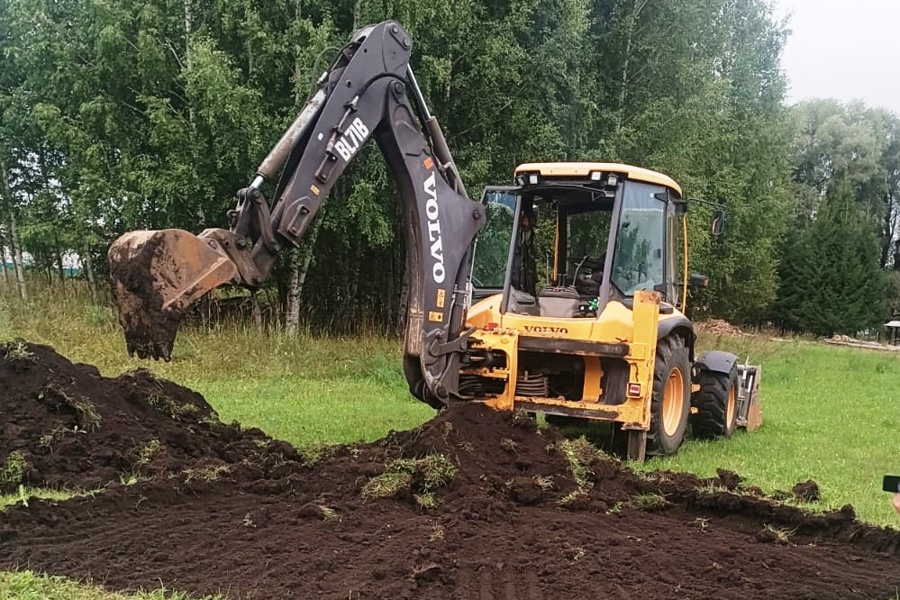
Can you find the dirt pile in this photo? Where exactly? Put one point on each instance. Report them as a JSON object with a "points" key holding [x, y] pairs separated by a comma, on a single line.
{"points": [[65, 426], [719, 327], [473, 504]]}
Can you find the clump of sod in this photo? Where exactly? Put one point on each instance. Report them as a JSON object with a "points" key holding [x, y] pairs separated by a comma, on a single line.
{"points": [[417, 477]]}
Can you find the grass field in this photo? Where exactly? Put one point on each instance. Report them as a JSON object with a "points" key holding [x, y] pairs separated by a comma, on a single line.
{"points": [[831, 414]]}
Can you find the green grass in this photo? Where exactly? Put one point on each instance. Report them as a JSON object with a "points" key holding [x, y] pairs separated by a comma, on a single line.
{"points": [[831, 414], [309, 412], [25, 585]]}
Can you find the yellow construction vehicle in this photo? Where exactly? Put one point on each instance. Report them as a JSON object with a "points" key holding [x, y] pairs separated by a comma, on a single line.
{"points": [[582, 315], [569, 304]]}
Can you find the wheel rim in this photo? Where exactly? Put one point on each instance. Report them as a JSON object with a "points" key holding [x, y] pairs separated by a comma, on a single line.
{"points": [[732, 406], [673, 402]]}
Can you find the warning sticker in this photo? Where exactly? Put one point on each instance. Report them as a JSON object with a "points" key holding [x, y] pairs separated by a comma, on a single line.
{"points": [[437, 317], [440, 298]]}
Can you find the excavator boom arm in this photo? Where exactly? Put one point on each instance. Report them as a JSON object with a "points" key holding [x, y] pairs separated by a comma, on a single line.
{"points": [[366, 94]]}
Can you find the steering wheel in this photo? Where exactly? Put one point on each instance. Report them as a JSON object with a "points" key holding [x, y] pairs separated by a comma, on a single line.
{"points": [[594, 264]]}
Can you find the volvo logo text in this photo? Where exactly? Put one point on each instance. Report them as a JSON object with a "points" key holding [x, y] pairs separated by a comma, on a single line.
{"points": [[434, 230], [542, 329]]}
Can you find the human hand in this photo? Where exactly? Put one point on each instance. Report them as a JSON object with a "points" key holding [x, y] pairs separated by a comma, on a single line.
{"points": [[896, 502]]}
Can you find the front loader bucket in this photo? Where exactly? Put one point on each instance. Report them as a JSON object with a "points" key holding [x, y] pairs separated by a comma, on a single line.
{"points": [[749, 412], [155, 276]]}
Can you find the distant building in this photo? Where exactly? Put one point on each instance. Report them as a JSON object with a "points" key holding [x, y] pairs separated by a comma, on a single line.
{"points": [[893, 326]]}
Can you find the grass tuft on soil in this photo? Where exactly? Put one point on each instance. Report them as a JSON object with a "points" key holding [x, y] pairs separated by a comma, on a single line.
{"points": [[14, 469], [417, 477], [86, 413], [580, 454], [776, 535], [649, 502], [16, 350], [26, 585]]}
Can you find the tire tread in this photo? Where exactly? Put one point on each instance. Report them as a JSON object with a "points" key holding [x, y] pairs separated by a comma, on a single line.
{"points": [[711, 401]]}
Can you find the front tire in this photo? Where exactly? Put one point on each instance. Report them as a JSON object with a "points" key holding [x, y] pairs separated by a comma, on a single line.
{"points": [[670, 404], [716, 403]]}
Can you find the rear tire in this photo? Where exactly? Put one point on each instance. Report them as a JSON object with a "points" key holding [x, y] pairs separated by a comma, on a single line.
{"points": [[670, 404], [716, 403]]}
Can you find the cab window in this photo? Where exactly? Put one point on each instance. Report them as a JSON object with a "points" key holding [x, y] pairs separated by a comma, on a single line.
{"points": [[639, 259]]}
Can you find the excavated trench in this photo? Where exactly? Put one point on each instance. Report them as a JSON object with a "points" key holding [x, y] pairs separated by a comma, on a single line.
{"points": [[473, 504]]}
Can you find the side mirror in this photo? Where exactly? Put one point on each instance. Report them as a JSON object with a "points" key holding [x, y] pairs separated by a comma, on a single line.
{"points": [[718, 222], [698, 281]]}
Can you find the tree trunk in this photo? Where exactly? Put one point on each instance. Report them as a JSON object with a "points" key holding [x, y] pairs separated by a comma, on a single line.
{"points": [[357, 13], [60, 258], [301, 258], [188, 59], [300, 262], [3, 258], [630, 27], [292, 306], [889, 228], [18, 265], [256, 309], [205, 307], [15, 247], [352, 316], [88, 264]]}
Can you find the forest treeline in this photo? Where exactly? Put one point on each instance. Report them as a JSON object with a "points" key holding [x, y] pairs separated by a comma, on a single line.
{"points": [[132, 114]]}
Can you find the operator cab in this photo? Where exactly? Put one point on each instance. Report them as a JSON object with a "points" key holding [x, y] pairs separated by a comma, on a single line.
{"points": [[570, 237]]}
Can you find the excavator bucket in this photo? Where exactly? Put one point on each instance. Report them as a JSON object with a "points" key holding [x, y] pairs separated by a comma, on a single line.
{"points": [[749, 412], [155, 276]]}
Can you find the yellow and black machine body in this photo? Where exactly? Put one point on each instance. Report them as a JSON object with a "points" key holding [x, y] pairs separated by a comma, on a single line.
{"points": [[562, 294], [579, 287]]}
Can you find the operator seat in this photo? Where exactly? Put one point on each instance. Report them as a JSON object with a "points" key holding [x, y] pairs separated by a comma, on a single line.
{"points": [[588, 286], [523, 303], [558, 301]]}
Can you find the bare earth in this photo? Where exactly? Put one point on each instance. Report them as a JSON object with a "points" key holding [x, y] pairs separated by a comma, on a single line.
{"points": [[217, 508]]}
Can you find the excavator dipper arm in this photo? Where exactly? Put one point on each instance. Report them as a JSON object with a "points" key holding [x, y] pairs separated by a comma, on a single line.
{"points": [[370, 92]]}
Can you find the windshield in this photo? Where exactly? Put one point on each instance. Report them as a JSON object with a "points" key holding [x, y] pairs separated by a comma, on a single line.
{"points": [[639, 259], [492, 249]]}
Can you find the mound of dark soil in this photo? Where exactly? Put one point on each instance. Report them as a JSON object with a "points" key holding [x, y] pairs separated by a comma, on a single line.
{"points": [[808, 491], [473, 504], [65, 426]]}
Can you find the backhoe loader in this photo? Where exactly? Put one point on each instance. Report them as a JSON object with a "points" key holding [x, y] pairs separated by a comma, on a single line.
{"points": [[570, 304]]}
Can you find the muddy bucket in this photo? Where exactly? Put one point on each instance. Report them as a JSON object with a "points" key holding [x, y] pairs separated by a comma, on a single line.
{"points": [[155, 276]]}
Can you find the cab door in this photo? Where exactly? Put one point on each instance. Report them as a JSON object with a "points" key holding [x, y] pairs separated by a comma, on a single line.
{"points": [[494, 246]]}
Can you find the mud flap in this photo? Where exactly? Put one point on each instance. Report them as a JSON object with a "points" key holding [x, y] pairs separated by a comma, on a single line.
{"points": [[637, 445]]}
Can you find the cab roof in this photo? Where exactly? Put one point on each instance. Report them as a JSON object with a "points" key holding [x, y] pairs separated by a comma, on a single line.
{"points": [[583, 169]]}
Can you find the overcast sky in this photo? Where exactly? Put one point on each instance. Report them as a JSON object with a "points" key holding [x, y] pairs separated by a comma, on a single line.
{"points": [[843, 49]]}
